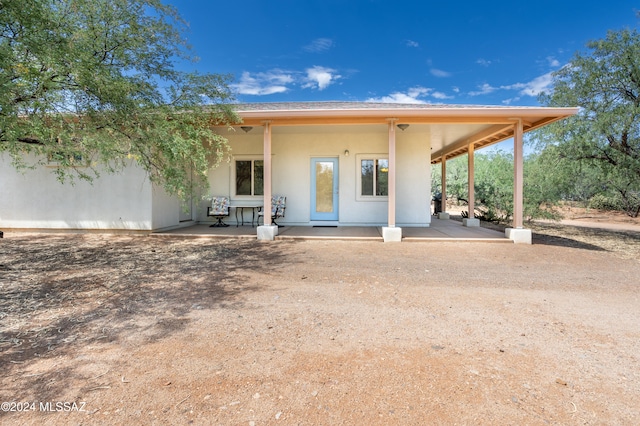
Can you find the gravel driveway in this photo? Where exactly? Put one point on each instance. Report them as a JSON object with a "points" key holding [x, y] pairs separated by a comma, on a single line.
{"points": [[139, 330]]}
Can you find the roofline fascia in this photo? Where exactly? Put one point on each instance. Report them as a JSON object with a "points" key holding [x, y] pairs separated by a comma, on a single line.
{"points": [[417, 112], [409, 115]]}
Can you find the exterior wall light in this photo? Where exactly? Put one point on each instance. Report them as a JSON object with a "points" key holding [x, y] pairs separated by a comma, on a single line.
{"points": [[246, 129], [346, 152], [403, 127]]}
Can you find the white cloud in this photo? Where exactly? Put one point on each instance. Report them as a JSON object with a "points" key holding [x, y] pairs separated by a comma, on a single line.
{"points": [[397, 98], [511, 100], [319, 45], [418, 91], [485, 89], [440, 95], [483, 62], [280, 81], [439, 73], [320, 77], [410, 97], [412, 43], [553, 62], [534, 87], [268, 83]]}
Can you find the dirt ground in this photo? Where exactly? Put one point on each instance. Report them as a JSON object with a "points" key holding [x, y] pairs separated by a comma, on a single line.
{"points": [[113, 329]]}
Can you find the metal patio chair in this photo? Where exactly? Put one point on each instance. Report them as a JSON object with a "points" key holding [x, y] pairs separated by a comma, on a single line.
{"points": [[278, 207], [219, 209]]}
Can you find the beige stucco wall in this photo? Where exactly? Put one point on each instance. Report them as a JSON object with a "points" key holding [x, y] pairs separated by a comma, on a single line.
{"points": [[292, 150], [36, 200]]}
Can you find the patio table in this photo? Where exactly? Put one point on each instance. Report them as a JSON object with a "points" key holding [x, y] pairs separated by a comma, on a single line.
{"points": [[241, 207]]}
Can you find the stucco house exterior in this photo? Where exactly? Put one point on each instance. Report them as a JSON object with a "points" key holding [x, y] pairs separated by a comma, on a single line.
{"points": [[338, 164]]}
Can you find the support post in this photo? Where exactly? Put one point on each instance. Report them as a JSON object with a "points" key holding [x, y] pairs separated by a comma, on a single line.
{"points": [[391, 233], [267, 231], [518, 234], [392, 174], [518, 175], [471, 220], [443, 200]]}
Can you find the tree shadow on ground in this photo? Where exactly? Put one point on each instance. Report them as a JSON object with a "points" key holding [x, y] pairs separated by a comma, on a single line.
{"points": [[622, 242], [62, 293], [559, 241]]}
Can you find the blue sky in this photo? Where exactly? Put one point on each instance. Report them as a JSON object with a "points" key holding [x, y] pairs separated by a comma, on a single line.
{"points": [[453, 52]]}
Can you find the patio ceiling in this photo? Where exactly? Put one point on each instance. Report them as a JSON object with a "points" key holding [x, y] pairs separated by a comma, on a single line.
{"points": [[452, 128]]}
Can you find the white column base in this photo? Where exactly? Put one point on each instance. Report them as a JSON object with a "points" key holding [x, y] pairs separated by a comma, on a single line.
{"points": [[443, 215], [519, 235], [470, 222], [267, 232], [391, 235]]}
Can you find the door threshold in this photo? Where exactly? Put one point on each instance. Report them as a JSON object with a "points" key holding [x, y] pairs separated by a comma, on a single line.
{"points": [[324, 224]]}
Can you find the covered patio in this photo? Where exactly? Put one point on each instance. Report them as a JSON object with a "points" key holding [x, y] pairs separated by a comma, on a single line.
{"points": [[339, 194], [342, 167], [440, 230]]}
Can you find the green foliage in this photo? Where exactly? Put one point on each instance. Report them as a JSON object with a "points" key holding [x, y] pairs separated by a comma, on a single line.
{"points": [[493, 185], [603, 202], [545, 184], [92, 83], [456, 179], [605, 135]]}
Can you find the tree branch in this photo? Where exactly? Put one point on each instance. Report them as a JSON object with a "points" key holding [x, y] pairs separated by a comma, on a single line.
{"points": [[31, 141]]}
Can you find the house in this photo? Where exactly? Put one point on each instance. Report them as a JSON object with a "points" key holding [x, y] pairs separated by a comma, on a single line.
{"points": [[338, 164]]}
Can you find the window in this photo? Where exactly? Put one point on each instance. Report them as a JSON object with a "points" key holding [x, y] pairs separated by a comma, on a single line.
{"points": [[374, 177], [249, 177]]}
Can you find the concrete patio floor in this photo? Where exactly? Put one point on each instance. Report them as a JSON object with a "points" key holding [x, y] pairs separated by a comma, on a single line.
{"points": [[440, 230]]}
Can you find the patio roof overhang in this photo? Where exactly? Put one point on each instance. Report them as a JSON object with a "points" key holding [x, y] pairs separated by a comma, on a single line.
{"points": [[479, 126]]}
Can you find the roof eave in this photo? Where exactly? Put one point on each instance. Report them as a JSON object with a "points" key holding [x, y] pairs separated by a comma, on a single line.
{"points": [[408, 115], [461, 147]]}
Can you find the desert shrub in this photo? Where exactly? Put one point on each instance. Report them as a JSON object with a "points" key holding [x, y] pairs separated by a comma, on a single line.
{"points": [[606, 202]]}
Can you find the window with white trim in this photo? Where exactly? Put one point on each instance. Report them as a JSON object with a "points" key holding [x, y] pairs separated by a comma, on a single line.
{"points": [[373, 177], [249, 177]]}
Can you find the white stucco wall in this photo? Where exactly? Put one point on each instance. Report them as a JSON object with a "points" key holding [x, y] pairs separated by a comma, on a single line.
{"points": [[165, 209], [292, 151], [413, 179], [127, 201], [36, 200]]}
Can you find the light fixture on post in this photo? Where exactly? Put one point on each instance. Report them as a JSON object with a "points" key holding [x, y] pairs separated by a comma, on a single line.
{"points": [[246, 129], [403, 127]]}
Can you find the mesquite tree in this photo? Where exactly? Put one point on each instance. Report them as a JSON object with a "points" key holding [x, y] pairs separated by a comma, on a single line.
{"points": [[93, 85], [605, 134]]}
